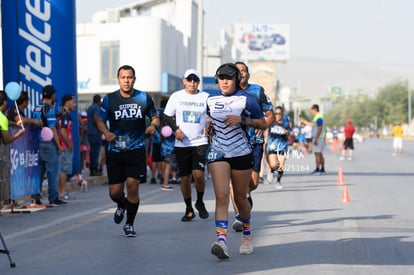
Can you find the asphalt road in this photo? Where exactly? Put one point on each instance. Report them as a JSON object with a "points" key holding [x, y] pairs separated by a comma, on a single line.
{"points": [[304, 228]]}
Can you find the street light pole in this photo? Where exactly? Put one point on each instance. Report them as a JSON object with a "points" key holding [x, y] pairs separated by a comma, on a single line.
{"points": [[409, 103]]}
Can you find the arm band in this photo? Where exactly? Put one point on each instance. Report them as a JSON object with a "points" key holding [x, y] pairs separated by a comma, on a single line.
{"points": [[170, 121]]}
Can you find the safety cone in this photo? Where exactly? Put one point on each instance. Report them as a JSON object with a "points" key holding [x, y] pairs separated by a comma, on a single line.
{"points": [[345, 195], [341, 180]]}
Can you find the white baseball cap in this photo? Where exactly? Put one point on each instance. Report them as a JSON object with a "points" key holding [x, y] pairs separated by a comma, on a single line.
{"points": [[190, 72]]}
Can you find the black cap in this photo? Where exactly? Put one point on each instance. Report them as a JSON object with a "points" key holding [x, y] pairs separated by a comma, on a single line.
{"points": [[48, 91], [228, 69], [67, 97]]}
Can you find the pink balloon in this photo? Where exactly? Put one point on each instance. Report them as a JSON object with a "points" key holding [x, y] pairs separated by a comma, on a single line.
{"points": [[166, 131], [46, 133]]}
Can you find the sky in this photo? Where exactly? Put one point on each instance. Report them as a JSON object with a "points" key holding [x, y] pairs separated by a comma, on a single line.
{"points": [[375, 32]]}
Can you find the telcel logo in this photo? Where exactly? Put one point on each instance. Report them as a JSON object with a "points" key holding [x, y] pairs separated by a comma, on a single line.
{"points": [[38, 52]]}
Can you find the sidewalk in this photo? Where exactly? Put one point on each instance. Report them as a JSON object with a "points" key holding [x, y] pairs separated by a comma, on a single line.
{"points": [[74, 184]]}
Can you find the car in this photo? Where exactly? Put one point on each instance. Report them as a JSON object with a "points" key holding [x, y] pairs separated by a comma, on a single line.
{"points": [[260, 42], [278, 39]]}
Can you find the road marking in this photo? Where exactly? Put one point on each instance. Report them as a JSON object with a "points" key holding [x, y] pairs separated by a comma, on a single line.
{"points": [[155, 193]]}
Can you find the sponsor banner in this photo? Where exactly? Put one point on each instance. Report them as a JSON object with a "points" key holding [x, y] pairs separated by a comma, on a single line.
{"points": [[25, 176], [39, 48]]}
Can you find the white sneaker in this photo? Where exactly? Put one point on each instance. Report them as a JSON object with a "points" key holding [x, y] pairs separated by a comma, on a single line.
{"points": [[246, 247], [349, 158], [278, 185], [341, 158], [219, 249]]}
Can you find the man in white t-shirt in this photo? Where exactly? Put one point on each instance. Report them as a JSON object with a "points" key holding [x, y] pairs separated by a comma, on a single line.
{"points": [[185, 113]]}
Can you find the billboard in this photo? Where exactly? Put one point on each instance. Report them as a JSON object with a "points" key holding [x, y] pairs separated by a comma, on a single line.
{"points": [[264, 42]]}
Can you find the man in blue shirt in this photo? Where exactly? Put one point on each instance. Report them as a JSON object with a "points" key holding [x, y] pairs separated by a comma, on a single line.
{"points": [[49, 150], [126, 110]]}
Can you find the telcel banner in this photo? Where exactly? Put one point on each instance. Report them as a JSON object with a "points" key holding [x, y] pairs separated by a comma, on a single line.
{"points": [[39, 48]]}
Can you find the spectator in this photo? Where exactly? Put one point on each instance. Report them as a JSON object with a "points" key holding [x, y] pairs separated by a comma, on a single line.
{"points": [[49, 150], [397, 143], [94, 136], [348, 144], [14, 115], [84, 144], [66, 142], [5, 139], [318, 134]]}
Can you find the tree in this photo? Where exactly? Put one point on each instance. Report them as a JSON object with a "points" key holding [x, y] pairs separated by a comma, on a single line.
{"points": [[389, 106]]}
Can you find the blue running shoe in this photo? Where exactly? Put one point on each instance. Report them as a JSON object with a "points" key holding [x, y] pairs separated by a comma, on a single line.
{"points": [[119, 215], [129, 231]]}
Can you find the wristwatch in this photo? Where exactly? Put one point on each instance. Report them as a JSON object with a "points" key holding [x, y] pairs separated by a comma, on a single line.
{"points": [[243, 120]]}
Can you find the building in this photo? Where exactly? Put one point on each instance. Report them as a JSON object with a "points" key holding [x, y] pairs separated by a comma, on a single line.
{"points": [[159, 38]]}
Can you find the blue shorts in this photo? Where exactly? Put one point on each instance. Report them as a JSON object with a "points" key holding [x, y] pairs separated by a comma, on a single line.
{"points": [[257, 155]]}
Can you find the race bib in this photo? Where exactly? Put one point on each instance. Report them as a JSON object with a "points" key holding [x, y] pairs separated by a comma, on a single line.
{"points": [[213, 155], [121, 142], [278, 130]]}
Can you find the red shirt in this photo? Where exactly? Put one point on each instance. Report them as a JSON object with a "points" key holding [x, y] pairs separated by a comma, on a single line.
{"points": [[349, 131]]}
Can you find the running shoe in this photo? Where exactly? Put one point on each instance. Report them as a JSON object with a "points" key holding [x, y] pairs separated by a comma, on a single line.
{"points": [[167, 188], [153, 181], [57, 202], [278, 185], [129, 231], [119, 215], [189, 215], [246, 247], [237, 225], [322, 172], [36, 202], [316, 172], [219, 249], [202, 211]]}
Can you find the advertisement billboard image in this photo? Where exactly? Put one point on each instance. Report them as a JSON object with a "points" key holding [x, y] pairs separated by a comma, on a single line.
{"points": [[268, 42]]}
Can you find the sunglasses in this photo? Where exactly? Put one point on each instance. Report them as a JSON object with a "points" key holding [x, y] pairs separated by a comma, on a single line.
{"points": [[278, 113], [193, 78]]}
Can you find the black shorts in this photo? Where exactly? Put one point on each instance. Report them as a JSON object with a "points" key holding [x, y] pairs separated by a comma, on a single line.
{"points": [[123, 165], [156, 152], [239, 163], [190, 158], [348, 143]]}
